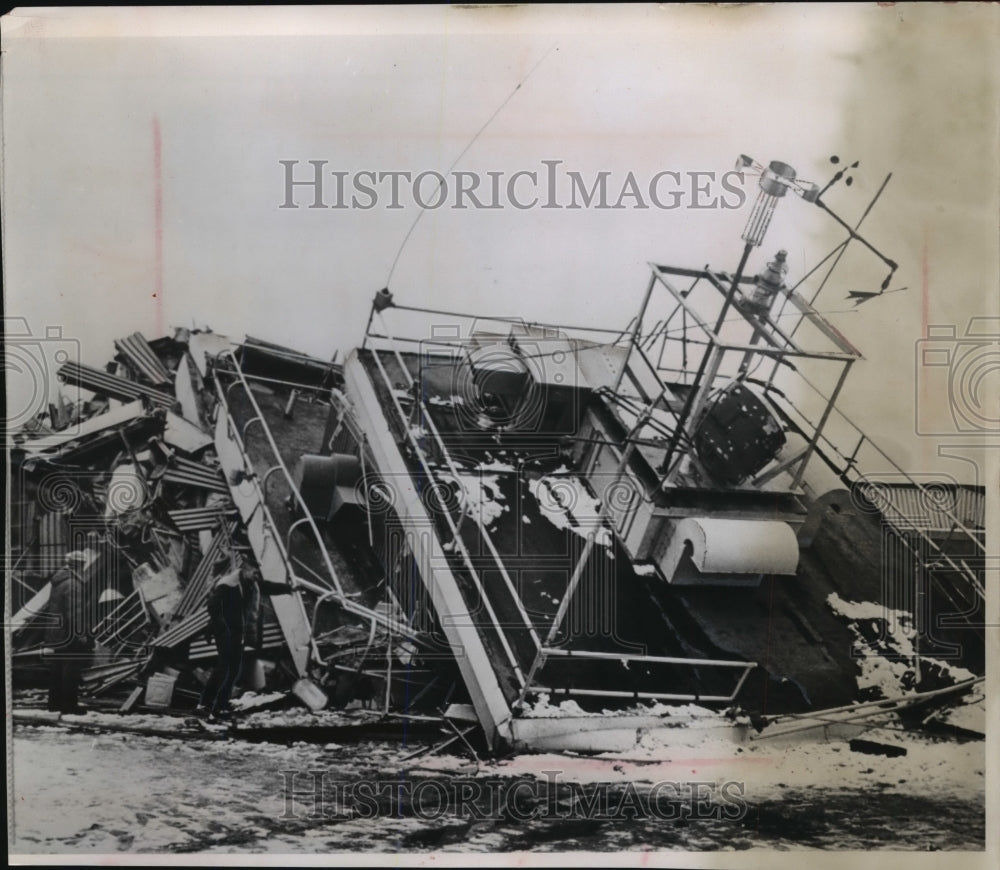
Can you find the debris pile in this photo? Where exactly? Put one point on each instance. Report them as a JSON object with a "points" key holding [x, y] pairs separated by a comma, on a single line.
{"points": [[128, 474]]}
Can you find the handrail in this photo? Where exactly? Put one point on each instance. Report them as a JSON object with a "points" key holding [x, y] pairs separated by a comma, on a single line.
{"points": [[636, 657], [342, 599], [279, 464], [850, 471], [487, 538], [849, 464], [548, 652], [857, 479], [451, 524]]}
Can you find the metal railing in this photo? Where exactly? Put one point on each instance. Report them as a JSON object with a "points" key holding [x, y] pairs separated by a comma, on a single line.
{"points": [[332, 587], [542, 651], [551, 652], [453, 527], [855, 479]]}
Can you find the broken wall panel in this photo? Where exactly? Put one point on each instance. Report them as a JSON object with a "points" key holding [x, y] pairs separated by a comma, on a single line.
{"points": [[139, 356], [188, 386], [185, 435], [273, 361], [103, 383], [112, 418], [53, 540]]}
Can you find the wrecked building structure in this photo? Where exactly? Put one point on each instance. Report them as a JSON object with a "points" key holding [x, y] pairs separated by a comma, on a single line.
{"points": [[546, 533]]}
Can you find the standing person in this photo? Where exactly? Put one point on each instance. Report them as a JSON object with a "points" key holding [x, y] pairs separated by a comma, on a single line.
{"points": [[67, 635], [225, 615]]}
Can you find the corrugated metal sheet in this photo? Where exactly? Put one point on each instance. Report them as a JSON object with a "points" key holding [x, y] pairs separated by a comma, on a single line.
{"points": [[102, 678], [196, 623], [196, 519], [197, 587], [272, 639], [99, 381], [53, 541], [188, 473], [142, 358], [187, 628], [930, 509], [126, 630]]}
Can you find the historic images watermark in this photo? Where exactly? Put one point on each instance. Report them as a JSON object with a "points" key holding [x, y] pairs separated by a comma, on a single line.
{"points": [[318, 795], [957, 379], [314, 184], [31, 360]]}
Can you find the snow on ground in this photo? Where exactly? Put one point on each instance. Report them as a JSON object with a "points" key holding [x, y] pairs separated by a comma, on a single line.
{"points": [[215, 792], [70, 795], [543, 709], [114, 811], [970, 715], [294, 717], [297, 717], [248, 700], [682, 714], [564, 501], [766, 768]]}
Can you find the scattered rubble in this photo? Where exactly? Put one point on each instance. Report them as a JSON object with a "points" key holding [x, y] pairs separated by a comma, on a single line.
{"points": [[132, 478]]}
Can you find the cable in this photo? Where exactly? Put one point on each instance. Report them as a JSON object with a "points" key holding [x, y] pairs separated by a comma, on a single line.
{"points": [[465, 150]]}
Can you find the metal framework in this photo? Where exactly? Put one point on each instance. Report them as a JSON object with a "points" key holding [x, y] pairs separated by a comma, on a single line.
{"points": [[736, 346], [384, 341], [274, 555]]}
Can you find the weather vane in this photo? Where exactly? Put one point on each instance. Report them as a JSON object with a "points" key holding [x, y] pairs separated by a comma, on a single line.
{"points": [[776, 179]]}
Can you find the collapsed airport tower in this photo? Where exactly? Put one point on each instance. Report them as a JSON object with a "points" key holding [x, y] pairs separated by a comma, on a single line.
{"points": [[660, 515], [555, 535]]}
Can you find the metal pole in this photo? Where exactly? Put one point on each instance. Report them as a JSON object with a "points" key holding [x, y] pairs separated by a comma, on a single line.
{"points": [[574, 580], [368, 326], [840, 253], [635, 332], [696, 385], [819, 426], [890, 263]]}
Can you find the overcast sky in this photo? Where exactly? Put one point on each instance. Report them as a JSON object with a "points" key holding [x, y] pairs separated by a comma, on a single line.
{"points": [[907, 90]]}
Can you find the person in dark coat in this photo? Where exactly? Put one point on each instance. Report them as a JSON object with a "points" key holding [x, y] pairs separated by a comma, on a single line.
{"points": [[226, 623], [67, 635]]}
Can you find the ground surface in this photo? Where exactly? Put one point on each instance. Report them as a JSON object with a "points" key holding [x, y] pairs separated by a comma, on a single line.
{"points": [[79, 793]]}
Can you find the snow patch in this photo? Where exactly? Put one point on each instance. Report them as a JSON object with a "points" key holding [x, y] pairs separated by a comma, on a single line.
{"points": [[484, 501], [495, 465], [890, 662], [542, 709], [446, 403], [565, 502]]}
